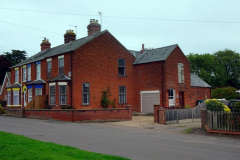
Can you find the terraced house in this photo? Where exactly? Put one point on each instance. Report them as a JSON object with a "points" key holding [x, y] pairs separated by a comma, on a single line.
{"points": [[76, 73]]}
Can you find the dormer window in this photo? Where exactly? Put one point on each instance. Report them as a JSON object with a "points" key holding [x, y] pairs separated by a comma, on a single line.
{"points": [[61, 64]]}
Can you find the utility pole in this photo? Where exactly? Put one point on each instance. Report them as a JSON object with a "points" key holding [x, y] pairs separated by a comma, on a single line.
{"points": [[100, 14]]}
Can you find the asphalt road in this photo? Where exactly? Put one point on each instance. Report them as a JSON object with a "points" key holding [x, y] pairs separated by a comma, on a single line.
{"points": [[136, 144]]}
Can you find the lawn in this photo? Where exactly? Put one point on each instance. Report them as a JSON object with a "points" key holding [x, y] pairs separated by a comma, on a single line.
{"points": [[22, 148]]}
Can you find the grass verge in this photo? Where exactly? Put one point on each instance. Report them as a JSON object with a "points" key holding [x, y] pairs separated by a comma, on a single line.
{"points": [[16, 147], [189, 130]]}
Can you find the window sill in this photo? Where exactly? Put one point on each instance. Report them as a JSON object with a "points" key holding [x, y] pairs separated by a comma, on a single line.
{"points": [[85, 104], [122, 75], [122, 103]]}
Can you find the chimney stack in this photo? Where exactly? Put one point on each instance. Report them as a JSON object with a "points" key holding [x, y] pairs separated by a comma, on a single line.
{"points": [[69, 36], [45, 44], [93, 27], [142, 49]]}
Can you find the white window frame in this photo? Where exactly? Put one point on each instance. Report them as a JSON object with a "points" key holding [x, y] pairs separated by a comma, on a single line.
{"points": [[62, 95], [29, 94], [38, 71], [24, 74], [87, 94], [38, 90], [121, 67], [52, 95], [16, 98], [16, 75], [59, 59], [122, 95], [9, 97], [29, 73], [49, 69], [180, 73]]}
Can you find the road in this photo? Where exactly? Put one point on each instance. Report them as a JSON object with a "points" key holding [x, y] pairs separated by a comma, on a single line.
{"points": [[134, 143]]}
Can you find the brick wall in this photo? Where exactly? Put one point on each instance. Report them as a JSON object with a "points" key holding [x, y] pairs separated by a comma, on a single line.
{"points": [[75, 115], [96, 63]]}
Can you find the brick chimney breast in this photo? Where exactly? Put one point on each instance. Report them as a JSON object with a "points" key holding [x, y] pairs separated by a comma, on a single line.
{"points": [[93, 27], [69, 36], [45, 44]]}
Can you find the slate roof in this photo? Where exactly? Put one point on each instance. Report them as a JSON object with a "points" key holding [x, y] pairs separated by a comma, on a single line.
{"points": [[198, 82], [61, 77], [154, 55], [71, 46], [136, 54], [15, 85], [39, 81]]}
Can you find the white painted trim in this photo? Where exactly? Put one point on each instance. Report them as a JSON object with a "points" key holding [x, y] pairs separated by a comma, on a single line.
{"points": [[155, 91], [62, 83], [4, 83], [62, 56], [52, 84], [49, 59], [145, 92]]}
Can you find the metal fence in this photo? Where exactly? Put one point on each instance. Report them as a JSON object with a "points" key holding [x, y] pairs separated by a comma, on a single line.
{"points": [[223, 121], [180, 114]]}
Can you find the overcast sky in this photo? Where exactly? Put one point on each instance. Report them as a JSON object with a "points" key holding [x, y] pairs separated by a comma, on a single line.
{"points": [[197, 26]]}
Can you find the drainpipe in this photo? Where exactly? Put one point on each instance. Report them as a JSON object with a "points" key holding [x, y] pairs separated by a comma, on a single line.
{"points": [[21, 87], [71, 80], [163, 83]]}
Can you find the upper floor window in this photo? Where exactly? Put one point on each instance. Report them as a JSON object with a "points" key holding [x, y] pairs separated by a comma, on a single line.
{"points": [[24, 74], [29, 72], [121, 67], [85, 93], [49, 67], [61, 64], [38, 68], [122, 94], [63, 95], [180, 73], [16, 75]]}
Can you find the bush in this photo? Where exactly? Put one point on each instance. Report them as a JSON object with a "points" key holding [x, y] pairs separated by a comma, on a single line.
{"points": [[226, 92], [236, 107], [105, 98], [187, 107], [66, 107], [215, 105], [2, 110]]}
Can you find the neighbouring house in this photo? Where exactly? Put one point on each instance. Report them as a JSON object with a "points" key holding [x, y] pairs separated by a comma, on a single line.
{"points": [[76, 73], [3, 88]]}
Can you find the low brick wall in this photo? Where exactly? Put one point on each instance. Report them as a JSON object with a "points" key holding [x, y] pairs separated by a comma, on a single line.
{"points": [[76, 115]]}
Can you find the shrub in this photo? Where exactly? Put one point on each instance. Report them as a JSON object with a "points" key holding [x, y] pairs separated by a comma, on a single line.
{"points": [[2, 110], [187, 107], [105, 98], [226, 92], [214, 105], [66, 107], [236, 107]]}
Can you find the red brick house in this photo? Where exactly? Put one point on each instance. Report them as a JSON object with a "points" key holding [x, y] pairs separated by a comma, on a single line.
{"points": [[76, 72]]}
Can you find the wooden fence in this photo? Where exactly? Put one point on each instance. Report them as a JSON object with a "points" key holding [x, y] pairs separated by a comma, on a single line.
{"points": [[223, 121], [180, 114]]}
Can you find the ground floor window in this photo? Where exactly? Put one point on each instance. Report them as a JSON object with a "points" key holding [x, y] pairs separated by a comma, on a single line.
{"points": [[8, 97], [15, 97], [85, 93], [122, 94], [38, 91], [52, 95], [29, 94], [63, 95]]}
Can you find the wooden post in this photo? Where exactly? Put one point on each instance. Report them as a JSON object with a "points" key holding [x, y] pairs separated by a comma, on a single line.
{"points": [[203, 117]]}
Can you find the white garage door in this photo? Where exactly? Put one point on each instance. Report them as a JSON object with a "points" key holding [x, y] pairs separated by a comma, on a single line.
{"points": [[148, 99]]}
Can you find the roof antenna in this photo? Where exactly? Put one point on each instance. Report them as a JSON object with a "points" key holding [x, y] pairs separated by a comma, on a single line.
{"points": [[100, 14], [75, 28], [45, 38]]}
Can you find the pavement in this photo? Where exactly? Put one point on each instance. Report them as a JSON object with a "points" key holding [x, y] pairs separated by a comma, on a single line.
{"points": [[136, 143]]}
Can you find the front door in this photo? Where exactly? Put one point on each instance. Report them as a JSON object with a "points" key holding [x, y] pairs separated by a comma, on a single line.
{"points": [[171, 97], [24, 98], [181, 99]]}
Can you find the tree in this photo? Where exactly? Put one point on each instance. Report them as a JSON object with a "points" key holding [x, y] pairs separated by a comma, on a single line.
{"points": [[226, 92], [16, 56], [4, 67], [220, 69]]}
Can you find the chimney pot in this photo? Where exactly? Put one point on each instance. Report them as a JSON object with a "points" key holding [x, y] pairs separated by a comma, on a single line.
{"points": [[143, 49], [93, 27], [45, 44]]}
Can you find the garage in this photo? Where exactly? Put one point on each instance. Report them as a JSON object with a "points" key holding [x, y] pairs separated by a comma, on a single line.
{"points": [[148, 99]]}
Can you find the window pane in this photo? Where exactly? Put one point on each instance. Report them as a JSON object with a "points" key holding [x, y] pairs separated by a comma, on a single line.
{"points": [[29, 73], [29, 94], [122, 94], [38, 91], [86, 93], [15, 97], [61, 66], [121, 62], [9, 98], [52, 95], [121, 67], [49, 68]]}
